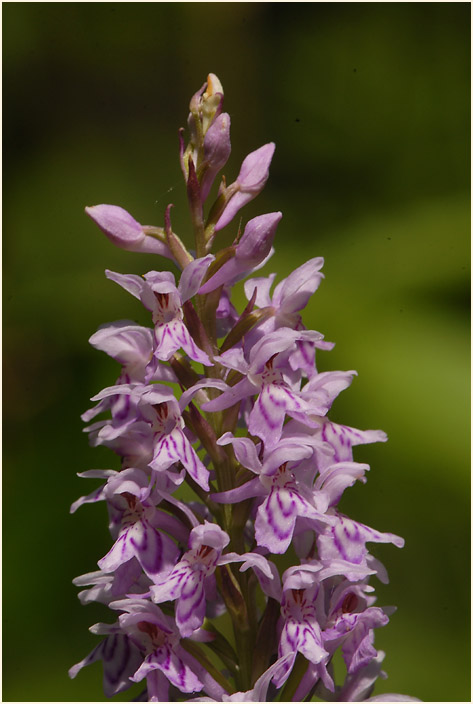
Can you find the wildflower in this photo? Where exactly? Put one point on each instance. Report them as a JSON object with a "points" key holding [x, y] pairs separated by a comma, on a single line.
{"points": [[232, 408], [159, 294]]}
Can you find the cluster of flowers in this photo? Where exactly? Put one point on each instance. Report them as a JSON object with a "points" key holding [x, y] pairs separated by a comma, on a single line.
{"points": [[231, 405]]}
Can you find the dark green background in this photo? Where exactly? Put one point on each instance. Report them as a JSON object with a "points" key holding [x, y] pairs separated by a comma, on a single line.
{"points": [[369, 107]]}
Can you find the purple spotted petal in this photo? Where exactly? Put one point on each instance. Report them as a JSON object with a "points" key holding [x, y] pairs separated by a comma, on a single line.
{"points": [[176, 671], [175, 447], [121, 551], [276, 519], [154, 551], [342, 438], [304, 637], [190, 611], [267, 416], [286, 451], [120, 658], [285, 669], [170, 589], [172, 336], [277, 341], [347, 540]]}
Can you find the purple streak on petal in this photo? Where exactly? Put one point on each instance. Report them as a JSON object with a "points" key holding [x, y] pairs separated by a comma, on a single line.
{"points": [[189, 346], [120, 552], [275, 521], [267, 416], [120, 659], [283, 673], [96, 495], [156, 552], [342, 438], [166, 660], [190, 611], [182, 451]]}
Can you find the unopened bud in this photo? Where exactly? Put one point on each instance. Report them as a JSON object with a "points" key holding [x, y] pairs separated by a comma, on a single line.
{"points": [[257, 238], [124, 231], [251, 180], [217, 149], [250, 253], [212, 101]]}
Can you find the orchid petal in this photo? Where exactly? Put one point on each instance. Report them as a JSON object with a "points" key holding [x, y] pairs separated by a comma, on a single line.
{"points": [[191, 277], [230, 396], [176, 671], [240, 493], [245, 450]]}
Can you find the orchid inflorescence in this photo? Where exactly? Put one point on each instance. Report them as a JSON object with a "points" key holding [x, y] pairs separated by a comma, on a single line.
{"points": [[228, 408]]}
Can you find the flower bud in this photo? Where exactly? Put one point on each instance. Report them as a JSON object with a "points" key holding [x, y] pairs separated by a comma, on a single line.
{"points": [[257, 238], [253, 175], [250, 253], [206, 104], [212, 101], [124, 231], [217, 149]]}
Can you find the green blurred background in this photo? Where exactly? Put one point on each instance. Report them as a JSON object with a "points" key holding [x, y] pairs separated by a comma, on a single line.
{"points": [[369, 107]]}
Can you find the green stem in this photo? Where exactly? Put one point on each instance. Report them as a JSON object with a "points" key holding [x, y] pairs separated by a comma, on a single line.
{"points": [[298, 671], [194, 650]]}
